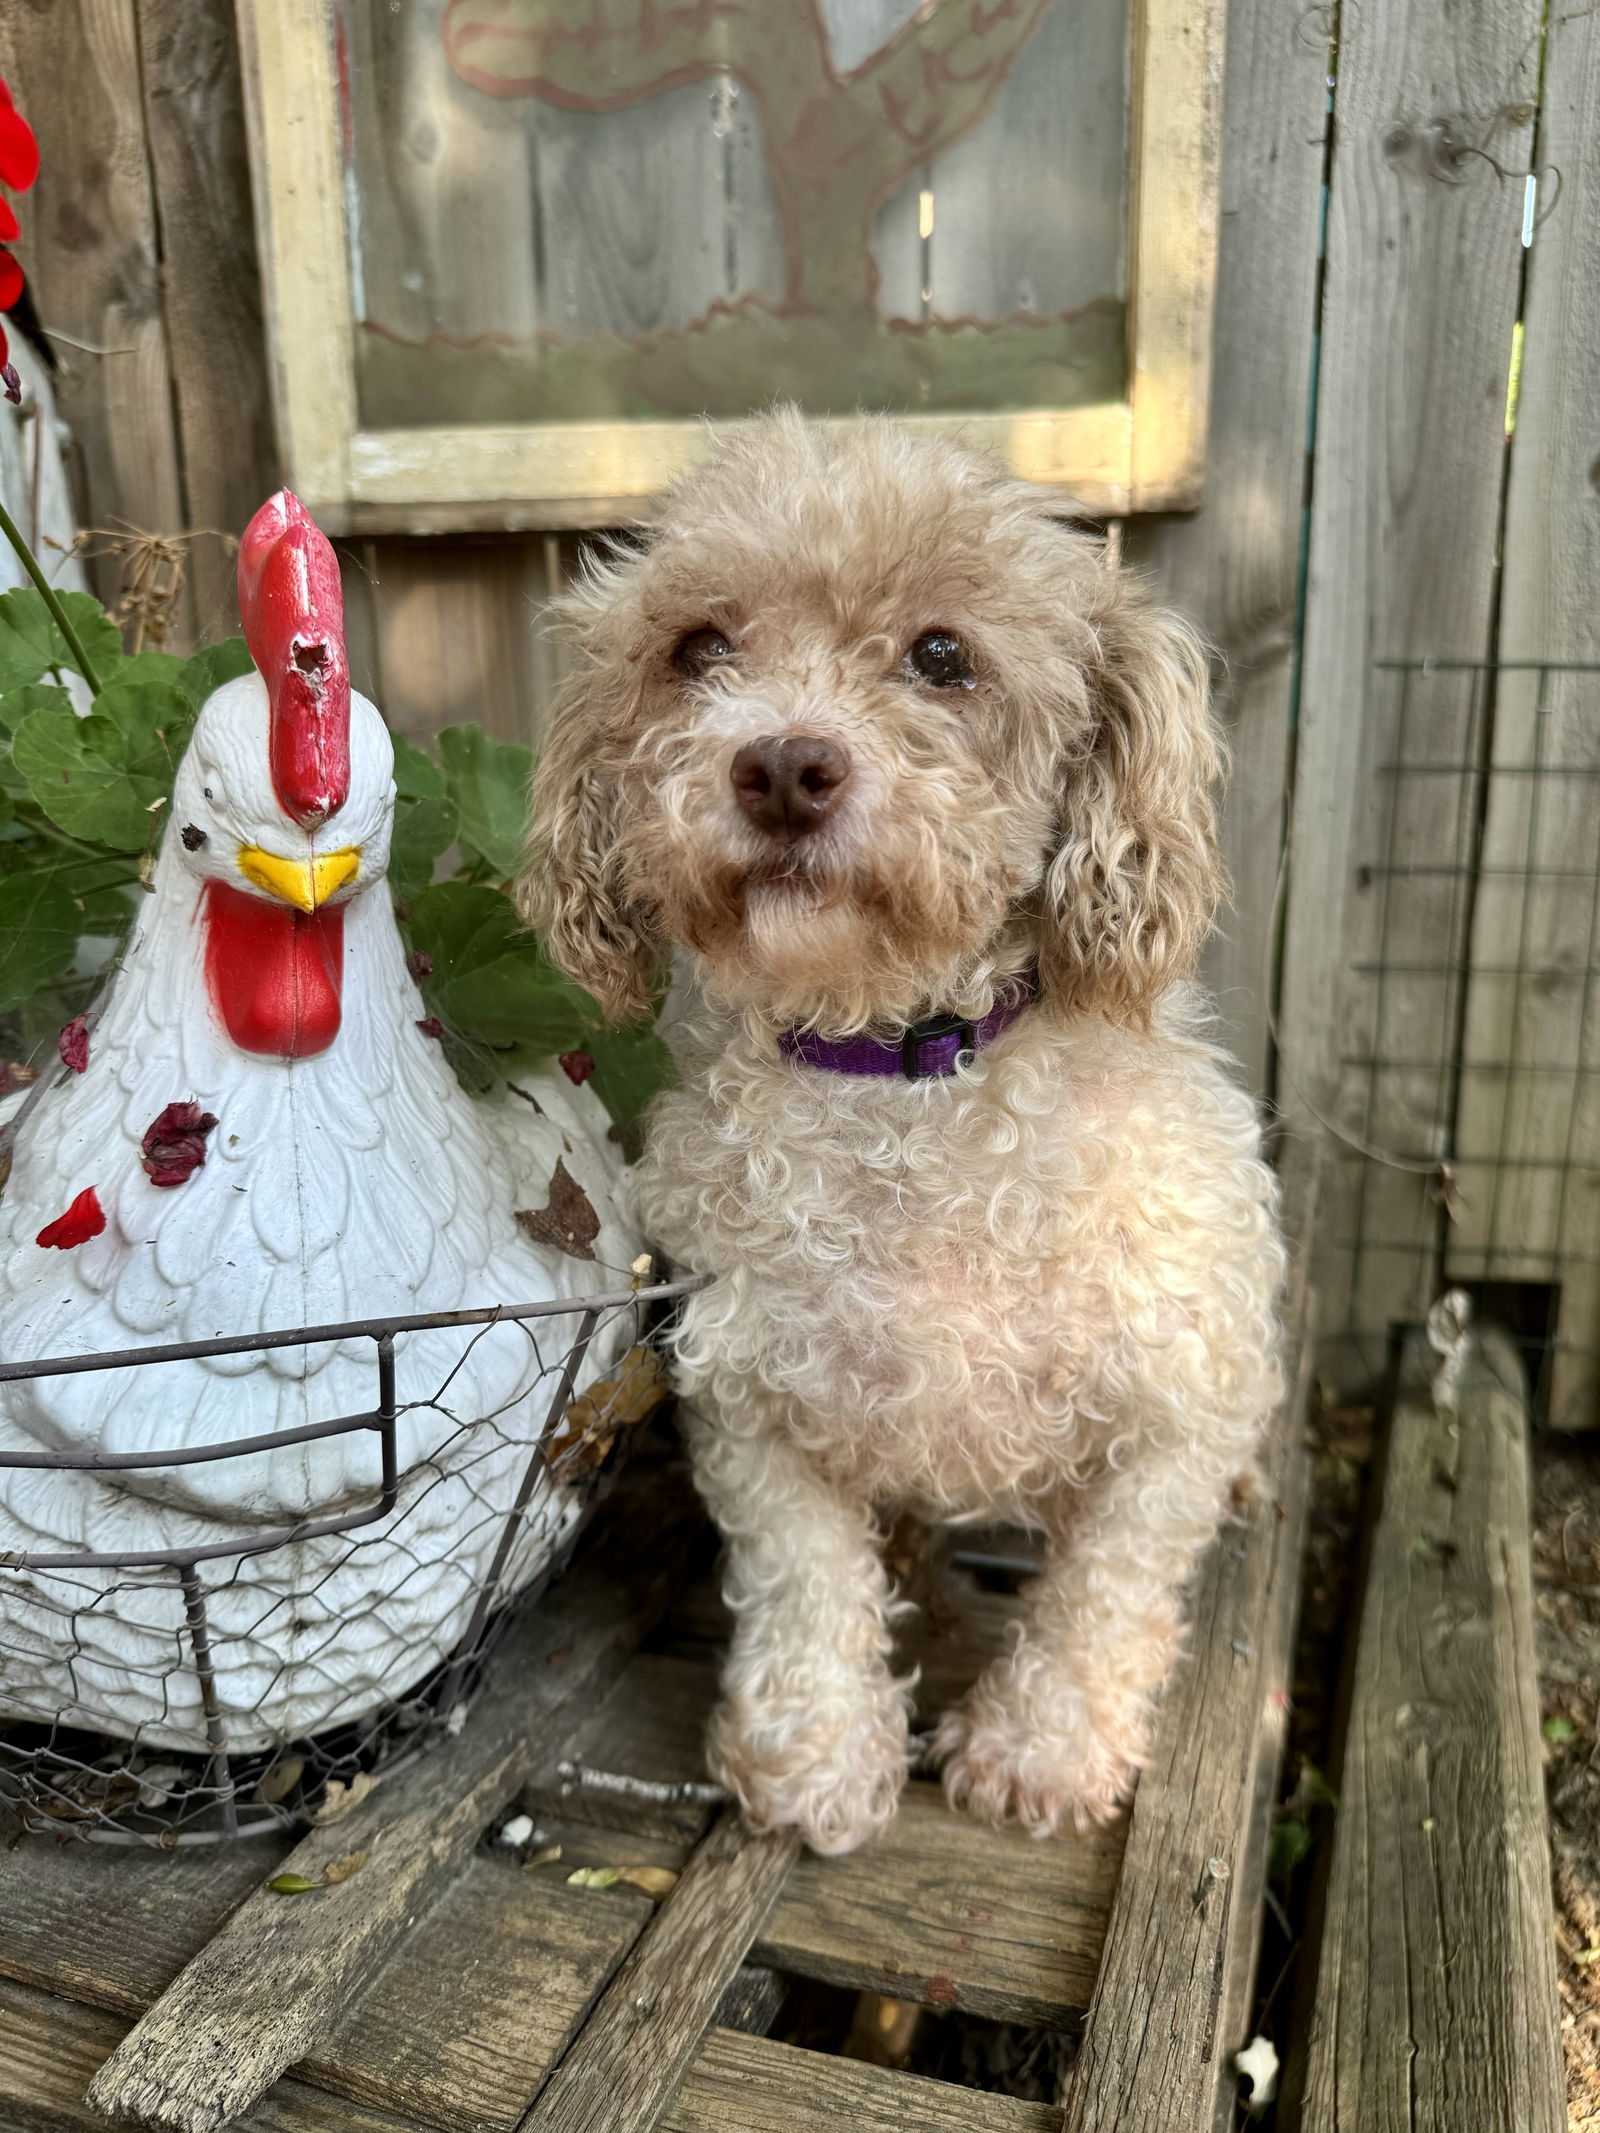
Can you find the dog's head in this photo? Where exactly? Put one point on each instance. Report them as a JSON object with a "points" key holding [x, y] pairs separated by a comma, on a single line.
{"points": [[867, 730]]}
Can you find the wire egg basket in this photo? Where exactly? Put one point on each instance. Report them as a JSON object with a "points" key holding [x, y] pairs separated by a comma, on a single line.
{"points": [[200, 1643]]}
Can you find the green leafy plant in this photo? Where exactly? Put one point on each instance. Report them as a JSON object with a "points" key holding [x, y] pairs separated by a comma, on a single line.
{"points": [[90, 740]]}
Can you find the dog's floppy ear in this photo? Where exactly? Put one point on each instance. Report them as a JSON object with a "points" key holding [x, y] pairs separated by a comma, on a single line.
{"points": [[571, 889], [1136, 876]]}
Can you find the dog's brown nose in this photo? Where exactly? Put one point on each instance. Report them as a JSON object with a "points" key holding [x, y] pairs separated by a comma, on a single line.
{"points": [[787, 786]]}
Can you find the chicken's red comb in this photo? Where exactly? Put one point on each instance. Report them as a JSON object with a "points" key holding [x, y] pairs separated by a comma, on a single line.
{"points": [[293, 610]]}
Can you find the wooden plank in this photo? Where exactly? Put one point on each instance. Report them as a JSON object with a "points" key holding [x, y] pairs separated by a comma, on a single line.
{"points": [[49, 2048], [943, 1910], [210, 285], [475, 2008], [270, 1986], [455, 626], [1234, 567], [1156, 2054], [92, 250], [1422, 288], [1436, 2003], [745, 2084], [630, 2057], [1529, 1119]]}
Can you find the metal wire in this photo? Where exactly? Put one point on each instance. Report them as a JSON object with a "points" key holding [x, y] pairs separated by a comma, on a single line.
{"points": [[1475, 1043], [201, 1642]]}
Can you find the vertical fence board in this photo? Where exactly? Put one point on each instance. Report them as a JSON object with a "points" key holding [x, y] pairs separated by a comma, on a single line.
{"points": [[211, 287], [1421, 293], [1436, 2007], [90, 246], [1234, 566], [454, 630], [1529, 1126]]}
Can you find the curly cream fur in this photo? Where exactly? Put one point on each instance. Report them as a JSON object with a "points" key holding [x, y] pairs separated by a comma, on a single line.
{"points": [[1041, 1289]]}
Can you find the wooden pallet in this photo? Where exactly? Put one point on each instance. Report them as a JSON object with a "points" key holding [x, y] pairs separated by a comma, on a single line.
{"points": [[446, 1988], [1434, 2002]]}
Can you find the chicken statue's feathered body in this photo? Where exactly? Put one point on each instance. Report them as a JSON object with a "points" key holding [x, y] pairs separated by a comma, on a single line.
{"points": [[346, 1175]]}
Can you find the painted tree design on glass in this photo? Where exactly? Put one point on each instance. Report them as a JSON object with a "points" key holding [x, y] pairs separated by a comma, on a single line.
{"points": [[574, 210], [836, 145]]}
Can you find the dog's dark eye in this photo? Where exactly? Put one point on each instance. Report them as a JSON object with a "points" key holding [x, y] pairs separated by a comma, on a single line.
{"points": [[942, 659], [701, 650]]}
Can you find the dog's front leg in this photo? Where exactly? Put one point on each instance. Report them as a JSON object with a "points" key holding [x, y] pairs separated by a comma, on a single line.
{"points": [[1055, 1732], [812, 1730]]}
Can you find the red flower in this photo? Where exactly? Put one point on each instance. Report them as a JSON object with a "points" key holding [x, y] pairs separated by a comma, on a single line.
{"points": [[175, 1146], [19, 166], [431, 1026], [19, 151], [577, 1066], [73, 1044], [84, 1219]]}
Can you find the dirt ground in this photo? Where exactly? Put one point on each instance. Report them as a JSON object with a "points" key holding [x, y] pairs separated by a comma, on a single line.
{"points": [[1566, 1570]]}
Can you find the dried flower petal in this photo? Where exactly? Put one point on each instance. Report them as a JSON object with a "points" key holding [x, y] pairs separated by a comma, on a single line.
{"points": [[577, 1066], [84, 1219], [174, 1147], [420, 963], [73, 1044], [431, 1026], [14, 1075], [9, 377]]}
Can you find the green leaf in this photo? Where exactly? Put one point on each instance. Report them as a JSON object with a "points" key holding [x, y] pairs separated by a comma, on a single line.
{"points": [[17, 704], [209, 668], [98, 777], [30, 643], [1287, 1847], [425, 821], [1558, 1730], [488, 781], [293, 1884], [492, 982], [416, 775], [39, 928], [106, 913], [631, 1065], [594, 1877]]}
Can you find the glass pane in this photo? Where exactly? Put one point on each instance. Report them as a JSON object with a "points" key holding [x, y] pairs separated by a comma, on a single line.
{"points": [[568, 210]]}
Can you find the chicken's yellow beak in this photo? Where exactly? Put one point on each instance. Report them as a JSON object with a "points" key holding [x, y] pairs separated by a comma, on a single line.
{"points": [[305, 883]]}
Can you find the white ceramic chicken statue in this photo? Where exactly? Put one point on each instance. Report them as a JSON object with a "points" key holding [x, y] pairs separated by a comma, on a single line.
{"points": [[267, 1135]]}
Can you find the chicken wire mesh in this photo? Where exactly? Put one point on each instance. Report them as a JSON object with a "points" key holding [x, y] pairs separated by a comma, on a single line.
{"points": [[1469, 1110], [142, 1690]]}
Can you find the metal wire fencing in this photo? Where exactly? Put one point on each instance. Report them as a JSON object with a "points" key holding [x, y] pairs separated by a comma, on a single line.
{"points": [[218, 1686], [1470, 1075]]}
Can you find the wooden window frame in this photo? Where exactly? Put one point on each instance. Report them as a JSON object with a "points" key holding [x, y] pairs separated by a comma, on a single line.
{"points": [[1144, 452]]}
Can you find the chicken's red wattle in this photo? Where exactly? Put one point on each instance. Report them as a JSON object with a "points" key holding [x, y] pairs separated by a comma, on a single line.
{"points": [[275, 975]]}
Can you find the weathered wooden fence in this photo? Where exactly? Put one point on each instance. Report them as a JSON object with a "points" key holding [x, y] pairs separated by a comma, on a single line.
{"points": [[1397, 575]]}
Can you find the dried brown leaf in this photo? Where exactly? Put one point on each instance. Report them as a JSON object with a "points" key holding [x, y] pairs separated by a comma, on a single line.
{"points": [[338, 1799], [569, 1222], [656, 1881], [345, 1869]]}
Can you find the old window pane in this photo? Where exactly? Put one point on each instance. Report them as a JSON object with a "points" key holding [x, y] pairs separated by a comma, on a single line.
{"points": [[565, 210]]}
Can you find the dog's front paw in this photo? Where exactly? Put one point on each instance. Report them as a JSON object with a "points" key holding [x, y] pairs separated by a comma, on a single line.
{"points": [[1001, 1764], [834, 1777]]}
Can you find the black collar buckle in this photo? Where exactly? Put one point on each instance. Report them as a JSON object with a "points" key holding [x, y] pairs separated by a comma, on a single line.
{"points": [[924, 1032]]}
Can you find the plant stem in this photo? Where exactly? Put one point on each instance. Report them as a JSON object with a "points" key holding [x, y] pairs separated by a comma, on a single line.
{"points": [[50, 597]]}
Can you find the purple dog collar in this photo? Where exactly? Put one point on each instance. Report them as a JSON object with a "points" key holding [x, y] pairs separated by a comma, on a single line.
{"points": [[924, 1052]]}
